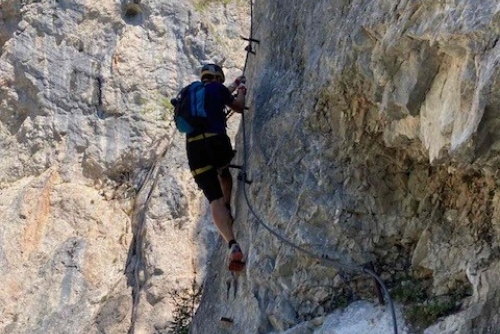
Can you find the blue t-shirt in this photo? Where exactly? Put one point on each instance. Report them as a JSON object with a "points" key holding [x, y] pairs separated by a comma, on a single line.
{"points": [[217, 96]]}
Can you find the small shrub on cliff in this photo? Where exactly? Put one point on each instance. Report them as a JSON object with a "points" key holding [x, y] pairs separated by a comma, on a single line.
{"points": [[422, 309], [425, 314], [409, 291], [186, 301]]}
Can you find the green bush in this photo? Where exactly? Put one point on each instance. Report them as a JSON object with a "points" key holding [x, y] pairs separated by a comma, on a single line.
{"points": [[421, 308], [409, 291], [425, 314]]}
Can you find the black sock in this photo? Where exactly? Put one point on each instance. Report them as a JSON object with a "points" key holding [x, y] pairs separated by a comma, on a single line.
{"points": [[231, 242]]}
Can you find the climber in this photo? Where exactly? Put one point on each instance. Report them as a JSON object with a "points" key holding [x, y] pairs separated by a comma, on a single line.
{"points": [[209, 154]]}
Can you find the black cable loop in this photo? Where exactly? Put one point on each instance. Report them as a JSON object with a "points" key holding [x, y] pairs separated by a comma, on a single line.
{"points": [[325, 261]]}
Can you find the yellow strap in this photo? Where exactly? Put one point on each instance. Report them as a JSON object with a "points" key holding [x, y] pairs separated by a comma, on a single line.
{"points": [[202, 136], [201, 170]]}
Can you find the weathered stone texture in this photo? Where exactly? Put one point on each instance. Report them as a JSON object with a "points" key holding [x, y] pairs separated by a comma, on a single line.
{"points": [[371, 139], [100, 219]]}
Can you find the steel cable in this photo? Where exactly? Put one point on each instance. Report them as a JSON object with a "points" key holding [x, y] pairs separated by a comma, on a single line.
{"points": [[325, 261]]}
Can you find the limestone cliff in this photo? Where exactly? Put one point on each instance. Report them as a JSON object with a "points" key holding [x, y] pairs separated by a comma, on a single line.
{"points": [[371, 139], [100, 222]]}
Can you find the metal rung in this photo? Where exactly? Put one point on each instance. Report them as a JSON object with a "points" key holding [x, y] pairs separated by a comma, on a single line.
{"points": [[250, 39]]}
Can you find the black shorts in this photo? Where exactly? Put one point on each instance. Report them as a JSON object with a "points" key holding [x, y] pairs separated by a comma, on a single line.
{"points": [[207, 157]]}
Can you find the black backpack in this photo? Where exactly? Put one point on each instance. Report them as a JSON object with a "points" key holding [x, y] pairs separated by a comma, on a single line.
{"points": [[189, 109]]}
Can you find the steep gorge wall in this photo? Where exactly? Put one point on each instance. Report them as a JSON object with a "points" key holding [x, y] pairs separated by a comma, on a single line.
{"points": [[95, 196], [372, 136]]}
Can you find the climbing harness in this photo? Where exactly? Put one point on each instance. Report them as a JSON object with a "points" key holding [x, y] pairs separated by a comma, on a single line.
{"points": [[201, 170], [243, 177], [202, 136]]}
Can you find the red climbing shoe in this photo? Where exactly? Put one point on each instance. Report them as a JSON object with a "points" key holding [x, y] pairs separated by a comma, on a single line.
{"points": [[236, 258]]}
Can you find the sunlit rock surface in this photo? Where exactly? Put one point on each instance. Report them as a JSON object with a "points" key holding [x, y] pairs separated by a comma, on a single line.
{"points": [[100, 221], [371, 140]]}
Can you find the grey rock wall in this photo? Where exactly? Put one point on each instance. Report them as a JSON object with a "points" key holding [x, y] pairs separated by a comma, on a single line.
{"points": [[100, 221], [371, 138]]}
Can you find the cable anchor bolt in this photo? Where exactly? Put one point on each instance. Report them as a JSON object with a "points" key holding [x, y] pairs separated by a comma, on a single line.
{"points": [[248, 48], [242, 176]]}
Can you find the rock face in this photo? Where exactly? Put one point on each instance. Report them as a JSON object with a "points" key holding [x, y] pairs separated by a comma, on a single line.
{"points": [[100, 223], [371, 140]]}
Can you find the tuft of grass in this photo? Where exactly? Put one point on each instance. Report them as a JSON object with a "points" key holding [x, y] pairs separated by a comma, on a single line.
{"points": [[167, 109], [421, 308], [423, 315], [341, 301], [166, 105], [201, 5], [409, 291]]}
